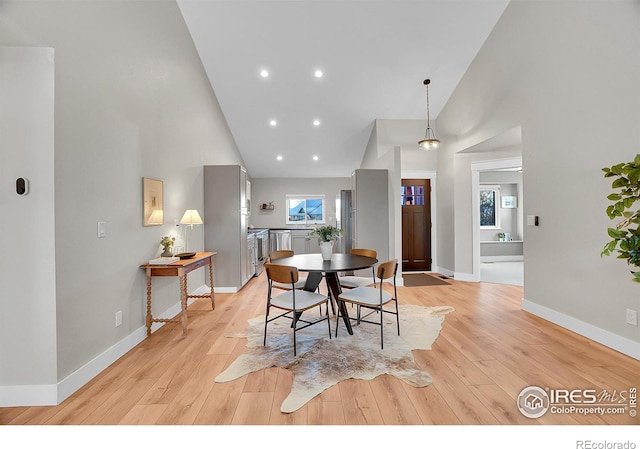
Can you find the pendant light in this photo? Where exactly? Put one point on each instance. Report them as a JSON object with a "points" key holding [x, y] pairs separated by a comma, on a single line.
{"points": [[429, 142]]}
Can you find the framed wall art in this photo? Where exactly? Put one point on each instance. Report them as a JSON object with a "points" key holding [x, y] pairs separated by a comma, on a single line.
{"points": [[153, 213], [509, 202]]}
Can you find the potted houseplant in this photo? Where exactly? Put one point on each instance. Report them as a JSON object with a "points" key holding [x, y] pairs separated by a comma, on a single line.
{"points": [[626, 234], [501, 236], [326, 236], [167, 242]]}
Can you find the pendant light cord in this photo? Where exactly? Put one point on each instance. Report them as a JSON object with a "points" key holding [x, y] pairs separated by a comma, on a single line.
{"points": [[426, 82]]}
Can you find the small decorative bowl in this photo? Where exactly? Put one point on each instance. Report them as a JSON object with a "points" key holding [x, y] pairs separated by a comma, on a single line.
{"points": [[185, 255]]}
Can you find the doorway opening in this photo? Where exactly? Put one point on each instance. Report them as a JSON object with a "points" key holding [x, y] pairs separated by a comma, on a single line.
{"points": [[498, 229]]}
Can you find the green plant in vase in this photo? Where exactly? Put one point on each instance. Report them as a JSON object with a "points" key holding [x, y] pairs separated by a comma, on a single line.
{"points": [[326, 233], [326, 236], [626, 234]]}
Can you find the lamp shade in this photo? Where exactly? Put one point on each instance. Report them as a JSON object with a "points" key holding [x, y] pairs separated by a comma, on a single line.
{"points": [[191, 217]]}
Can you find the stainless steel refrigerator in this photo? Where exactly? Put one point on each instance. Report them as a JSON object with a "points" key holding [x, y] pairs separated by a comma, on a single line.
{"points": [[344, 221]]}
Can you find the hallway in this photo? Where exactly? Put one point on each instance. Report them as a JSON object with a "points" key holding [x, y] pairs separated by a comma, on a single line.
{"points": [[510, 273]]}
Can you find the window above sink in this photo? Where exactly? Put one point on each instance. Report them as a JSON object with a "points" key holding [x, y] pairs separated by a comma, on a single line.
{"points": [[305, 209]]}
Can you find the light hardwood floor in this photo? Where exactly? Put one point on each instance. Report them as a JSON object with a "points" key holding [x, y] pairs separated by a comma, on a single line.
{"points": [[487, 352]]}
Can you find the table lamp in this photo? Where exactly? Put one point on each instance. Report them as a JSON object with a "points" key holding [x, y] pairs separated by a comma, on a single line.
{"points": [[191, 217]]}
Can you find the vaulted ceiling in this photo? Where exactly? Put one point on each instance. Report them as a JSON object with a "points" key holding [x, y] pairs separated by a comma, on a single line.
{"points": [[373, 55]]}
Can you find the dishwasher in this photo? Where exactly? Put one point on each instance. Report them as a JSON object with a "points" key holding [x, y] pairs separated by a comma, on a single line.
{"points": [[279, 239]]}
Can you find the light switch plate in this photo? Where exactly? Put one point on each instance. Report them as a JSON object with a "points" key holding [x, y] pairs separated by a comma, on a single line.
{"points": [[102, 229], [632, 317], [532, 220]]}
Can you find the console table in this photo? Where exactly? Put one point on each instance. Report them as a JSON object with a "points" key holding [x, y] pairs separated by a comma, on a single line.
{"points": [[179, 268]]}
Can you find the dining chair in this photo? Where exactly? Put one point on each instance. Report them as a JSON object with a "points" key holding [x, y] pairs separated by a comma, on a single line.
{"points": [[292, 301], [374, 298], [302, 280], [280, 254], [350, 281]]}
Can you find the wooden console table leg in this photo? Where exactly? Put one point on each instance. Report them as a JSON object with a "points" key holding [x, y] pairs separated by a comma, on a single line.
{"points": [[184, 295], [149, 318], [213, 301]]}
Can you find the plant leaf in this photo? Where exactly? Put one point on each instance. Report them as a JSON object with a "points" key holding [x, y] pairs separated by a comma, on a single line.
{"points": [[616, 234], [620, 182]]}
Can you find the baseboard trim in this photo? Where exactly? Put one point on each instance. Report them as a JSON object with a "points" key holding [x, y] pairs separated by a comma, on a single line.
{"points": [[445, 272], [225, 289], [28, 395], [54, 394], [466, 277], [607, 338], [501, 258]]}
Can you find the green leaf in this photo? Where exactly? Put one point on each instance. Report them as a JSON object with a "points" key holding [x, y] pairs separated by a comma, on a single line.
{"points": [[609, 248], [634, 175], [614, 197], [616, 234], [620, 182], [617, 169]]}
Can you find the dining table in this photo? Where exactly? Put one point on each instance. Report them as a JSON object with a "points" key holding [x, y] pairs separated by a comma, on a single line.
{"points": [[318, 269]]}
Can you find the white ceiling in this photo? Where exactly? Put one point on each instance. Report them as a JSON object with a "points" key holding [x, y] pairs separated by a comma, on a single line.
{"points": [[375, 56]]}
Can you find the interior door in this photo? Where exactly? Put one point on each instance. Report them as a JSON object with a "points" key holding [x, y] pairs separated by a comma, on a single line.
{"points": [[416, 224]]}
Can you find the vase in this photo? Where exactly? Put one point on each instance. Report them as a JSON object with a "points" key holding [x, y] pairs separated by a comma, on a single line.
{"points": [[326, 248], [167, 252]]}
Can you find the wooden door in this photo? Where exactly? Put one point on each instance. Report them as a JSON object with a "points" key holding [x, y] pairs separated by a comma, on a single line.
{"points": [[416, 224]]}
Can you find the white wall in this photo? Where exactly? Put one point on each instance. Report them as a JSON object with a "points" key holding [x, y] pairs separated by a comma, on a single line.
{"points": [[265, 190], [131, 100], [27, 258], [578, 76]]}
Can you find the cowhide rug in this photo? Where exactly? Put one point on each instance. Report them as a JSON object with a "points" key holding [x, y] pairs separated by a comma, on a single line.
{"points": [[323, 362]]}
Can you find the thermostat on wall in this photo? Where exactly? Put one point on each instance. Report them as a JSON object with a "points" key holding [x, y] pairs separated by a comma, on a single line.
{"points": [[22, 186]]}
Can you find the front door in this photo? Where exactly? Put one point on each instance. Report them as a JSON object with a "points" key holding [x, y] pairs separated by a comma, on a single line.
{"points": [[416, 224]]}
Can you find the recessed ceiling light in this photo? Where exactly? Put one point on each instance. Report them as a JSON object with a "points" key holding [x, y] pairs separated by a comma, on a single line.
{"points": [[264, 73], [316, 122], [318, 74], [273, 122], [315, 158], [279, 158]]}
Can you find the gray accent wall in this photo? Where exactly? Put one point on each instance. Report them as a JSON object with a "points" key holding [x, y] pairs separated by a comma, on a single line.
{"points": [[575, 81], [131, 100]]}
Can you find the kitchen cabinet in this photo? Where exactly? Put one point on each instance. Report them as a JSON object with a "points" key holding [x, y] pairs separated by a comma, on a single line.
{"points": [[226, 215], [303, 243], [370, 211], [299, 242]]}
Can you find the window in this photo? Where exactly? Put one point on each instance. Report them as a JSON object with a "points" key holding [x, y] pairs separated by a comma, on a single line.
{"points": [[489, 206], [305, 209], [411, 195]]}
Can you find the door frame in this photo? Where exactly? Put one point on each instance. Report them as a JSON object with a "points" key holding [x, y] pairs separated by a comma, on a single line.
{"points": [[432, 177], [476, 168]]}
